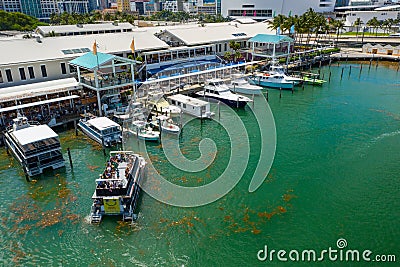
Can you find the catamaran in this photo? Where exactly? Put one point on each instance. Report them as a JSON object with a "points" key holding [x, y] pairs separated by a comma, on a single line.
{"points": [[36, 147], [101, 129]]}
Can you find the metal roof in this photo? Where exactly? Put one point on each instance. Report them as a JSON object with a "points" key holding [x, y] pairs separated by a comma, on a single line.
{"points": [[34, 134], [59, 29], [102, 123], [37, 103], [269, 38], [90, 61], [38, 89]]}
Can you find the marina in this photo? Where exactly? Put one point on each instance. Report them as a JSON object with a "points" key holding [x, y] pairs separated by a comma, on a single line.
{"points": [[354, 118]]}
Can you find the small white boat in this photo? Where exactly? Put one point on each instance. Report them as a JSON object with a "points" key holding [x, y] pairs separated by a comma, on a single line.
{"points": [[143, 131], [101, 129], [240, 84], [218, 90], [167, 124]]}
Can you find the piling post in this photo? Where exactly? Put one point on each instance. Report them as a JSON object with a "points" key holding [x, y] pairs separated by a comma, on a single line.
{"points": [[330, 74], [292, 89], [347, 58], [341, 75], [350, 71], [252, 98], [76, 128], [370, 62], [302, 87], [377, 63], [280, 92], [69, 157], [361, 67], [26, 174], [219, 110], [267, 95]]}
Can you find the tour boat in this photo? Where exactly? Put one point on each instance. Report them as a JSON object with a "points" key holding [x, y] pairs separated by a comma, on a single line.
{"points": [[101, 129], [118, 187], [216, 89], [37, 147]]}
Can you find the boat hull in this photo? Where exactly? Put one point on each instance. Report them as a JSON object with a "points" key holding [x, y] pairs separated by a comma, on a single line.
{"points": [[288, 86], [246, 91]]}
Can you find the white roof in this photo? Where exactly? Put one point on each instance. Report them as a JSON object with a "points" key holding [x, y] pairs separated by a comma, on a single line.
{"points": [[34, 134], [85, 27], [188, 100], [50, 48], [38, 89], [387, 8], [211, 33], [102, 123]]}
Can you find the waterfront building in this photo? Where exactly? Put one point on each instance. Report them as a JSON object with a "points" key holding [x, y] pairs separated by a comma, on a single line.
{"points": [[381, 13], [266, 9], [123, 5]]}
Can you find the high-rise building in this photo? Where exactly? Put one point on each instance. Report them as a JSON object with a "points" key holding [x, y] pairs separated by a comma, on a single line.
{"points": [[266, 9], [42, 9], [123, 5]]}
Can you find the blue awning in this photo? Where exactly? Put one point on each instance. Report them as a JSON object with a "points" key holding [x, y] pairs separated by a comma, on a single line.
{"points": [[270, 38], [90, 61]]}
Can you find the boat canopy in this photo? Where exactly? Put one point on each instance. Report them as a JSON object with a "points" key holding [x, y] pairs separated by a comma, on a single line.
{"points": [[102, 123], [34, 134]]}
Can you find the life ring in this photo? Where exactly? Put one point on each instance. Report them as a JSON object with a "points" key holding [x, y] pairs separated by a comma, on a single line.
{"points": [[266, 74]]}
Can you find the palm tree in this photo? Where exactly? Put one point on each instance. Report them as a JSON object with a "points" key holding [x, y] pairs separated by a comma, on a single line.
{"points": [[357, 23], [277, 22], [337, 25], [374, 22]]}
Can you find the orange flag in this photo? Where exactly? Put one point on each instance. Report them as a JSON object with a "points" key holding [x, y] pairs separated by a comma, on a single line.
{"points": [[133, 46], [94, 48]]}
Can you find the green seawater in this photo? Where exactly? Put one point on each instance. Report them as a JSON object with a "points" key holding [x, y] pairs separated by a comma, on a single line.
{"points": [[335, 175]]}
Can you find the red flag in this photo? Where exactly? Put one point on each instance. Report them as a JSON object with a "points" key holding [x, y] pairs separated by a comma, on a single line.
{"points": [[244, 13]]}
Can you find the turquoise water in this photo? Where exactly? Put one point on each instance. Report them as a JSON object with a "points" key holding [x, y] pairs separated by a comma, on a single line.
{"points": [[335, 175]]}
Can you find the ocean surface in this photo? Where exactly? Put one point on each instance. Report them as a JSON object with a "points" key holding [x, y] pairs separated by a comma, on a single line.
{"points": [[336, 175]]}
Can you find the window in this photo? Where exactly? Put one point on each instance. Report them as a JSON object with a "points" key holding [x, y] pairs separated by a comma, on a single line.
{"points": [[1, 77], [247, 6], [63, 68], [44, 71], [226, 46], [9, 76], [31, 73], [22, 74], [184, 105]]}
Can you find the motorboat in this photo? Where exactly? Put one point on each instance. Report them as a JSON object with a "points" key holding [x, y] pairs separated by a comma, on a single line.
{"points": [[143, 131], [273, 80], [167, 124], [240, 84], [216, 89]]}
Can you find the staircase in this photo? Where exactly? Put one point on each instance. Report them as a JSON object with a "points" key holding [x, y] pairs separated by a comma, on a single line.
{"points": [[95, 218]]}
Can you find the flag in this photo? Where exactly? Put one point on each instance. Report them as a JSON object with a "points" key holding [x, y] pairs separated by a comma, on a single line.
{"points": [[255, 13], [290, 13], [244, 13], [95, 48], [273, 14], [278, 30], [133, 45], [292, 29]]}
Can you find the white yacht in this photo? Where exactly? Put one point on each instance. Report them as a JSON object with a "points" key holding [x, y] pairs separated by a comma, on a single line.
{"points": [[218, 90], [240, 84], [101, 129], [37, 147], [281, 70]]}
